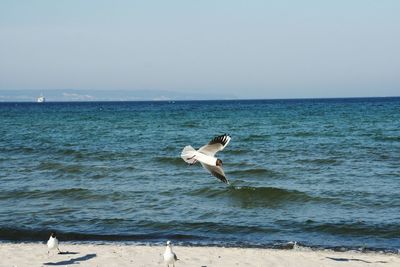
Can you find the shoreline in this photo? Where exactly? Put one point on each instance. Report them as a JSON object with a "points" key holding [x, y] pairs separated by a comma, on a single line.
{"points": [[113, 254], [291, 245]]}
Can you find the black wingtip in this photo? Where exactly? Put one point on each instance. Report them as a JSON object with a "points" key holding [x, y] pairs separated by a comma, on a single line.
{"points": [[221, 139], [224, 180]]}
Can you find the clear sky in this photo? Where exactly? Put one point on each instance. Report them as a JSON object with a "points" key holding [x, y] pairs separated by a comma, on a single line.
{"points": [[246, 49]]}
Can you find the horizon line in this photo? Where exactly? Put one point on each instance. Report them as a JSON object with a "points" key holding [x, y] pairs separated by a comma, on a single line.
{"points": [[200, 100]]}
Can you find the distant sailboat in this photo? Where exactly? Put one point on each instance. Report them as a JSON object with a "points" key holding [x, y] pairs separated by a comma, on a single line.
{"points": [[41, 99]]}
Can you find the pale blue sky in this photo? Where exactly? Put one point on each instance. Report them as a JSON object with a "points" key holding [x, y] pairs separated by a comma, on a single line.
{"points": [[246, 49]]}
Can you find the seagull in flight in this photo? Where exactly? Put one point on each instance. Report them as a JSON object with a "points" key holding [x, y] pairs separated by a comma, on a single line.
{"points": [[206, 156]]}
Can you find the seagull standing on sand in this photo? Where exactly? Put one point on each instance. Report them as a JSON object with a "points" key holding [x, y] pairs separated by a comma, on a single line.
{"points": [[52, 243], [169, 256], [206, 156]]}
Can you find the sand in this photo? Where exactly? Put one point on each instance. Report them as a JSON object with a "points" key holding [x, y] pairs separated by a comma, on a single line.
{"points": [[35, 254]]}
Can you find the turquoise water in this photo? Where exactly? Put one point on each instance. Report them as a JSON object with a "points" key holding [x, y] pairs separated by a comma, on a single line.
{"points": [[324, 173]]}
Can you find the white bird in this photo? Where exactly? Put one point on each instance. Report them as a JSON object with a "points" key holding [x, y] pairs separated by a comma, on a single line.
{"points": [[169, 256], [206, 156], [52, 243]]}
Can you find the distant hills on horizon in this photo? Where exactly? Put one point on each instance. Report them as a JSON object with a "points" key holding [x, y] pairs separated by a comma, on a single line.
{"points": [[77, 95], [60, 95]]}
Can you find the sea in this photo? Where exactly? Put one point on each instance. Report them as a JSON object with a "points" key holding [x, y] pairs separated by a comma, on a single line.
{"points": [[324, 173]]}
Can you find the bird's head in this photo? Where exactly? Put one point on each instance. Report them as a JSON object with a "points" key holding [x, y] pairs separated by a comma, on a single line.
{"points": [[219, 162], [168, 243], [53, 235]]}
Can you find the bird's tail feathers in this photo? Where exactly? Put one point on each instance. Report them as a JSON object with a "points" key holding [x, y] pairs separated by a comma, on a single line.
{"points": [[188, 154]]}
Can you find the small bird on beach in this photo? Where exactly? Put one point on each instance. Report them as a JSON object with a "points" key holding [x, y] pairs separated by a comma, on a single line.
{"points": [[206, 156], [52, 243], [169, 256]]}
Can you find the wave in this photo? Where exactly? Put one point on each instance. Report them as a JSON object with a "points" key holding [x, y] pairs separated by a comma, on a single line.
{"points": [[16, 234], [93, 154], [71, 152], [18, 149], [92, 170], [352, 229], [325, 161], [256, 137], [108, 155], [255, 172], [284, 150], [237, 152], [387, 138], [71, 169], [145, 230], [304, 134], [191, 124], [170, 160], [76, 193], [204, 226], [269, 193], [169, 148], [256, 196], [50, 166], [198, 234]]}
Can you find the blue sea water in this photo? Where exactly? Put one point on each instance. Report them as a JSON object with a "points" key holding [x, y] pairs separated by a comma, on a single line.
{"points": [[322, 172]]}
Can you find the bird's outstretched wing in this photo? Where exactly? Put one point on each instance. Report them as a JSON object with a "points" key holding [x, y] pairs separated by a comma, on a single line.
{"points": [[215, 145], [216, 171]]}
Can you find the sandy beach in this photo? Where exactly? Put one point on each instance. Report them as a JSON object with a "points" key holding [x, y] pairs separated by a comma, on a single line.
{"points": [[35, 254]]}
